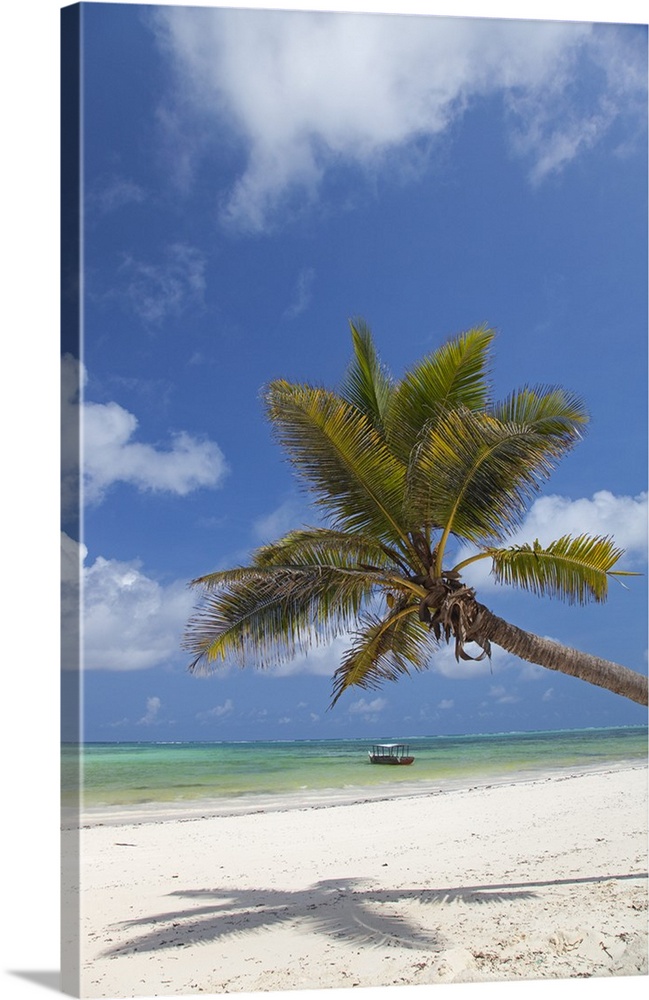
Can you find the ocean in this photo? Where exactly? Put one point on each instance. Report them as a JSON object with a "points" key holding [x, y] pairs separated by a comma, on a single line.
{"points": [[254, 774]]}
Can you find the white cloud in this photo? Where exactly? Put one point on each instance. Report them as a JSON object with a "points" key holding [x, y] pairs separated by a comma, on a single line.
{"points": [[532, 672], [305, 92], [370, 709], [446, 703], [321, 661], [153, 706], [624, 518], [217, 712], [110, 455], [443, 662], [129, 621], [502, 696]]}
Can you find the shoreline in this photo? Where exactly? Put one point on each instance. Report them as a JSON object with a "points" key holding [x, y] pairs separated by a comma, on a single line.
{"points": [[539, 878], [255, 803]]}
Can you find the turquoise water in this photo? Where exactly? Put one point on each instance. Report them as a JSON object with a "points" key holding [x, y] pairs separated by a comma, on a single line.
{"points": [[129, 774]]}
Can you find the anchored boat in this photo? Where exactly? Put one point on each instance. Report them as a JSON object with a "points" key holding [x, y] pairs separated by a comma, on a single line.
{"points": [[390, 753]]}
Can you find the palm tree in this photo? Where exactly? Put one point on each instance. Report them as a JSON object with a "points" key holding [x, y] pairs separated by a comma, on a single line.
{"points": [[402, 469]]}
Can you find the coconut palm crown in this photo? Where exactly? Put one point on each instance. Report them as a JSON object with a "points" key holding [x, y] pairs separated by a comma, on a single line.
{"points": [[407, 474]]}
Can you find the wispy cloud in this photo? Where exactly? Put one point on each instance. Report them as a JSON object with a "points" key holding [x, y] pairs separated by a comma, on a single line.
{"points": [[158, 290], [306, 92], [113, 194], [111, 454], [286, 517], [302, 296], [555, 125]]}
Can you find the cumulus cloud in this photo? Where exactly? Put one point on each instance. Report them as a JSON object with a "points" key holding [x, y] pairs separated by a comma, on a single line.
{"points": [[320, 661], [443, 662], [111, 455], [153, 706], [217, 712], [532, 672], [625, 518], [502, 696], [368, 710], [129, 621], [303, 93]]}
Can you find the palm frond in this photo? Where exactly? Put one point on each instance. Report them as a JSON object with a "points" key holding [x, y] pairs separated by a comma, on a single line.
{"points": [[547, 410], [341, 457], [327, 547], [454, 375], [384, 649], [577, 570], [267, 615], [474, 475], [367, 385]]}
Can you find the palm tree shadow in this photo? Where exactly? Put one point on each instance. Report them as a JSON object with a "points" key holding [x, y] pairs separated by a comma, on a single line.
{"points": [[338, 908]]}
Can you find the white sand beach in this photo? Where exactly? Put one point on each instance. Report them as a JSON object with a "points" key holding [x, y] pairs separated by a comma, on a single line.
{"points": [[544, 877]]}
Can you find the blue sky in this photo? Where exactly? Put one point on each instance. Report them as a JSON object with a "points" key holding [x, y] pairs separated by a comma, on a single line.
{"points": [[251, 181]]}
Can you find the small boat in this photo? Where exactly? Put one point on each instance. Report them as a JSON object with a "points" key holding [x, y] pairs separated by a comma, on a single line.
{"points": [[390, 753]]}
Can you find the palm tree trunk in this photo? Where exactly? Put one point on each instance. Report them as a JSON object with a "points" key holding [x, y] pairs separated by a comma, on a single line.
{"points": [[554, 656]]}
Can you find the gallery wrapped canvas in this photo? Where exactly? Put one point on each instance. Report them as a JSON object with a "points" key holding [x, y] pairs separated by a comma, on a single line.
{"points": [[354, 314]]}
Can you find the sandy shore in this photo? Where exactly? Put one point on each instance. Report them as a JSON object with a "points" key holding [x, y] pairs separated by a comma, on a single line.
{"points": [[541, 878]]}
